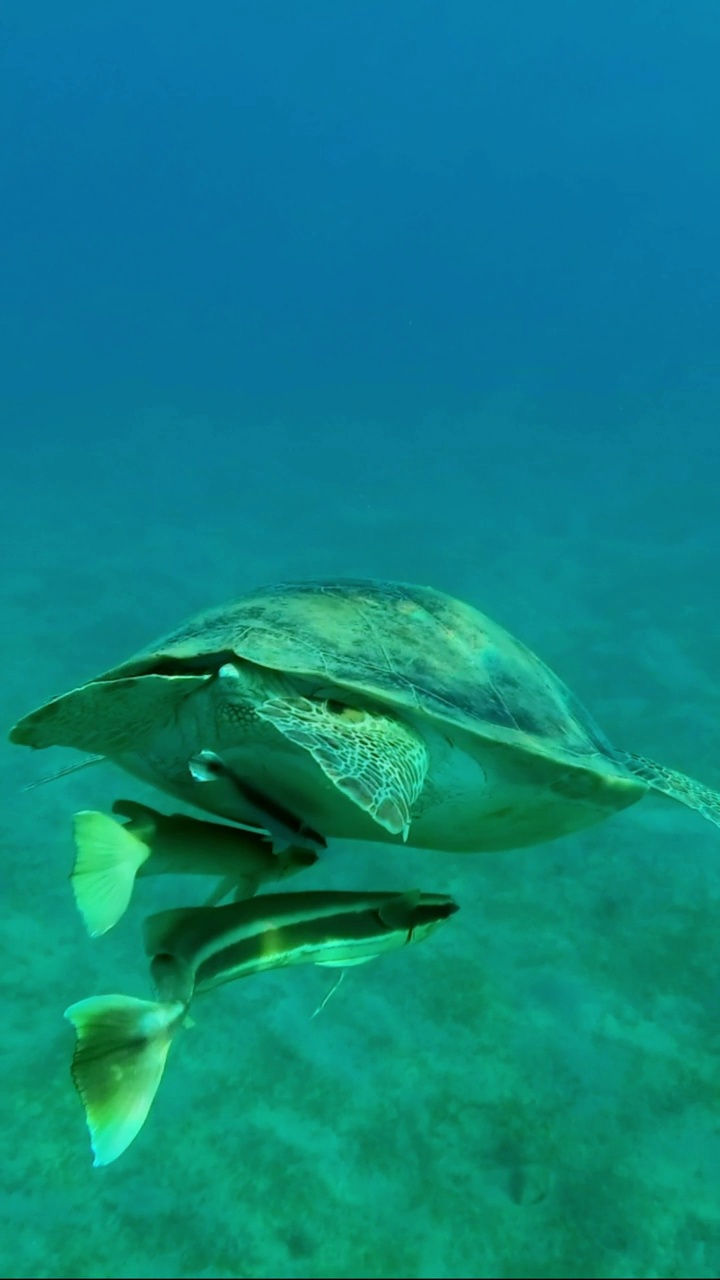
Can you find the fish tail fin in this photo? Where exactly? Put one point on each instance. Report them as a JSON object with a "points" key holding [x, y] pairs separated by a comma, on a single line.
{"points": [[120, 1053], [108, 859]]}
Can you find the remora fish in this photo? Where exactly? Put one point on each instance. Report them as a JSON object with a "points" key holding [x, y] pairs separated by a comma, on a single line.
{"points": [[122, 1043], [110, 855], [285, 828]]}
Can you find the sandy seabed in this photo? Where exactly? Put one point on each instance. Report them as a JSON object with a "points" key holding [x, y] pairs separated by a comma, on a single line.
{"points": [[535, 1090]]}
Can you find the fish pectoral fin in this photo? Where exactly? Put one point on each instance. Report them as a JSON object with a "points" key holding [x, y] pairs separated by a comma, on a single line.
{"points": [[330, 993], [108, 857], [399, 912], [120, 1054], [377, 761]]}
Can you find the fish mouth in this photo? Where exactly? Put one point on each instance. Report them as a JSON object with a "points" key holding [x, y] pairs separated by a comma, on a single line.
{"points": [[427, 912], [433, 912]]}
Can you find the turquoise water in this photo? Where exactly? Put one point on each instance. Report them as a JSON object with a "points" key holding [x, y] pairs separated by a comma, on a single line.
{"points": [[426, 294]]}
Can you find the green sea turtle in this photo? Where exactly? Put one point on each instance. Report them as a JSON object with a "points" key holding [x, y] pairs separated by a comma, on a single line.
{"points": [[371, 710]]}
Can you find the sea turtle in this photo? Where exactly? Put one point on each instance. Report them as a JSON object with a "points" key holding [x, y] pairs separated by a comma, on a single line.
{"points": [[371, 710]]}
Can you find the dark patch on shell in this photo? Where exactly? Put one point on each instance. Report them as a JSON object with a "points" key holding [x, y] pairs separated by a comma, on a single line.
{"points": [[409, 646]]}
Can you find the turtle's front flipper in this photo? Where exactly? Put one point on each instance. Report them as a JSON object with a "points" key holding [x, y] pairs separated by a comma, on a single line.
{"points": [[671, 783], [377, 761], [107, 717]]}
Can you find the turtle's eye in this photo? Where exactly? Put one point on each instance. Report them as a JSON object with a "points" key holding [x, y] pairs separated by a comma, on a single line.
{"points": [[344, 712]]}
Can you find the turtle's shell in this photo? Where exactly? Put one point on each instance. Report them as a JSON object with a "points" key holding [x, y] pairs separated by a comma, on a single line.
{"points": [[407, 646]]}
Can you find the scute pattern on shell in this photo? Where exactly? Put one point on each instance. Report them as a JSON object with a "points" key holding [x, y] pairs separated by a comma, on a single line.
{"points": [[410, 646]]}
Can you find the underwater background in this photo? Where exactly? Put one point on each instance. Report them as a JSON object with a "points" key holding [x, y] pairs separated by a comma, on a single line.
{"points": [[406, 290]]}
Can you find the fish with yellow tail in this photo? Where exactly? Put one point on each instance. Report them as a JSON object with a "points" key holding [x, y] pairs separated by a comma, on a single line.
{"points": [[110, 856], [122, 1042]]}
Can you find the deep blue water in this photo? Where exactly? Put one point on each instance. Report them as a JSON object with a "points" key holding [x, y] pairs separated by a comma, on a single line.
{"points": [[412, 290]]}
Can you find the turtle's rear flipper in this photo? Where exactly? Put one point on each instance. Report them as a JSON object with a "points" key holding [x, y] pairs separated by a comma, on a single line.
{"points": [[106, 717], [377, 761], [676, 785]]}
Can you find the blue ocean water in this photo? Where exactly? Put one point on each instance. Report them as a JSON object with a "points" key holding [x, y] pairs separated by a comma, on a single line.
{"points": [[401, 290]]}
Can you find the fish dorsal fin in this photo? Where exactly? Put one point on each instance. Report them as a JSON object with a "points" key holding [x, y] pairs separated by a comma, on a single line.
{"points": [[399, 912]]}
